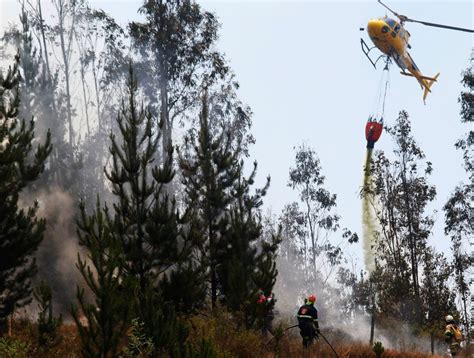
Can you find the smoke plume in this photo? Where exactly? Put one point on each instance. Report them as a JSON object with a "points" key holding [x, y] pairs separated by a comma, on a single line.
{"points": [[57, 254]]}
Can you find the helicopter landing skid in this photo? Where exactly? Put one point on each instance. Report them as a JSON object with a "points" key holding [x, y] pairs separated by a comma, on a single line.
{"points": [[366, 50]]}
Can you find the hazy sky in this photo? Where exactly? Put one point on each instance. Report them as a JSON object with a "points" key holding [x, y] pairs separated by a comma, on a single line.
{"points": [[302, 71]]}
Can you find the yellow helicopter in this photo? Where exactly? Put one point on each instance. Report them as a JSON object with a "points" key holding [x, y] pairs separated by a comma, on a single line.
{"points": [[390, 37]]}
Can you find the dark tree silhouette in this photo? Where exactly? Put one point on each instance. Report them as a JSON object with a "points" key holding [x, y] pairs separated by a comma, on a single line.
{"points": [[20, 231]]}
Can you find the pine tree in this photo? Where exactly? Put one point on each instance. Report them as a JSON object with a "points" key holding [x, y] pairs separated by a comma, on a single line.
{"points": [[239, 262], [210, 166], [246, 262], [108, 316], [20, 231], [47, 324], [155, 238]]}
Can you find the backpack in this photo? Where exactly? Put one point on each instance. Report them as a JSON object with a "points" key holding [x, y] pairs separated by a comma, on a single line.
{"points": [[456, 333]]}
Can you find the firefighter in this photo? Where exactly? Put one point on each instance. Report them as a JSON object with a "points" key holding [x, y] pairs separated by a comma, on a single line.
{"points": [[453, 336], [308, 321], [265, 305]]}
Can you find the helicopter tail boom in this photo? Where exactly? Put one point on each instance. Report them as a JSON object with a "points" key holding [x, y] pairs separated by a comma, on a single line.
{"points": [[433, 79]]}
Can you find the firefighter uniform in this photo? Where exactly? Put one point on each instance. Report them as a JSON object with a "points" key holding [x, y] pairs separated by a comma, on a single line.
{"points": [[453, 337], [308, 322]]}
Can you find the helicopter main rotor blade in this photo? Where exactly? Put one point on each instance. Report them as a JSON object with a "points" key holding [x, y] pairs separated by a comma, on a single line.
{"points": [[404, 18], [401, 17], [439, 25]]}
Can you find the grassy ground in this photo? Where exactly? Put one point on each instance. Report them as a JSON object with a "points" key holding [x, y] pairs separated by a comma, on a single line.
{"points": [[227, 338]]}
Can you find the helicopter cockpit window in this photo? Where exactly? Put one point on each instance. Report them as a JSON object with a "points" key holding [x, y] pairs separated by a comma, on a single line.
{"points": [[397, 28], [385, 29], [390, 23]]}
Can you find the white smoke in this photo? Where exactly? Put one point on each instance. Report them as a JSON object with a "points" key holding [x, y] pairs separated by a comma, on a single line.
{"points": [[57, 253], [291, 288]]}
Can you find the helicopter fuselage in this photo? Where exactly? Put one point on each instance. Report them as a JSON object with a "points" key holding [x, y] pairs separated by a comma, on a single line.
{"points": [[390, 37]]}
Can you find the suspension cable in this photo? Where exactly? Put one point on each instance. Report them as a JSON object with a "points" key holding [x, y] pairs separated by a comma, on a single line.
{"points": [[385, 91]]}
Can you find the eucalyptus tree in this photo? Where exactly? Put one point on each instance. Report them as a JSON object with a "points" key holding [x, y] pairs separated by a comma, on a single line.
{"points": [[316, 210], [176, 56], [402, 192], [459, 209]]}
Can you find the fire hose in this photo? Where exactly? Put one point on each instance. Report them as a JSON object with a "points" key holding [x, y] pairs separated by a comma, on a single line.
{"points": [[325, 339]]}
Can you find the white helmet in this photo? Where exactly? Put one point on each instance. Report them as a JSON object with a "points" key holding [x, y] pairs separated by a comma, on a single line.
{"points": [[449, 319]]}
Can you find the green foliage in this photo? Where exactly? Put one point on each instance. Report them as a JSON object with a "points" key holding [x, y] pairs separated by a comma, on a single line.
{"points": [[246, 262], [210, 166], [278, 334], [227, 215], [184, 287], [139, 345], [467, 108], [318, 218], [378, 349], [47, 324], [141, 252], [176, 48], [154, 237], [459, 207], [108, 317], [307, 230], [401, 193], [20, 165], [14, 348]]}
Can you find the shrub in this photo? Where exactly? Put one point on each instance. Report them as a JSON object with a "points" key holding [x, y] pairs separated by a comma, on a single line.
{"points": [[139, 345], [13, 348], [47, 324]]}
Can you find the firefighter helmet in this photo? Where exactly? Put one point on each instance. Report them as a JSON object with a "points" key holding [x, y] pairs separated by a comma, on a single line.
{"points": [[449, 319], [312, 298]]}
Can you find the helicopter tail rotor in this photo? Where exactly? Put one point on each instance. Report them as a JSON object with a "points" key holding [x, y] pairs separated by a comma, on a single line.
{"points": [[428, 84]]}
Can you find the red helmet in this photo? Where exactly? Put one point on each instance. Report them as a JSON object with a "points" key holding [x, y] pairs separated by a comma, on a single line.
{"points": [[312, 298]]}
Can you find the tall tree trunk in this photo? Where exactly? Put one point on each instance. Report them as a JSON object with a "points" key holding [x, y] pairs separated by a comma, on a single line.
{"points": [[372, 322], [463, 288], [43, 37], [165, 115], [311, 231], [65, 54], [97, 98], [212, 264], [83, 80], [432, 339], [413, 248]]}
